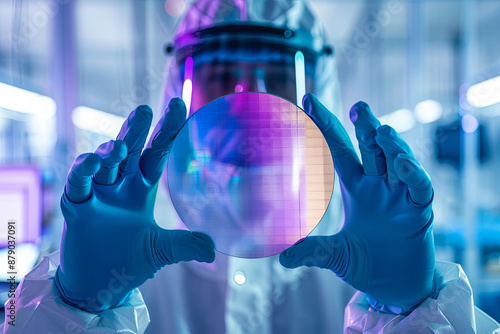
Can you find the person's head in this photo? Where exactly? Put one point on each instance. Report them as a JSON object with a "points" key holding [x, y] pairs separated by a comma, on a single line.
{"points": [[227, 46]]}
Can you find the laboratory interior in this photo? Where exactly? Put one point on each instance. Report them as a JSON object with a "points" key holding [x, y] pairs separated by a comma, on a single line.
{"points": [[71, 71]]}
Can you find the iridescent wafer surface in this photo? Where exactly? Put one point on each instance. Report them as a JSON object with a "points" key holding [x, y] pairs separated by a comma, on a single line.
{"points": [[253, 171]]}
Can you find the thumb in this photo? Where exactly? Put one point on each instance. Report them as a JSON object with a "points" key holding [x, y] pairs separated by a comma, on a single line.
{"points": [[330, 252], [173, 246]]}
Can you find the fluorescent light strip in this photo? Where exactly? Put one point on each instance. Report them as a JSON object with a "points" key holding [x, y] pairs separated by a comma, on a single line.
{"points": [[261, 85], [484, 94], [187, 86], [300, 86], [97, 121], [187, 92], [300, 76], [26, 102]]}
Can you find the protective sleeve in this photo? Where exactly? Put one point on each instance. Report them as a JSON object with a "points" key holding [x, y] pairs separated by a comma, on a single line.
{"points": [[40, 309], [451, 311]]}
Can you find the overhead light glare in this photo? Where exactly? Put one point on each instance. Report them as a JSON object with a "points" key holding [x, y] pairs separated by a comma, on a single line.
{"points": [[26, 102], [484, 94], [428, 111], [97, 121], [401, 120]]}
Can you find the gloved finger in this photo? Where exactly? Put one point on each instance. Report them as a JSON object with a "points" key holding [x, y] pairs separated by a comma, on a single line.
{"points": [[344, 156], [414, 175], [366, 125], [155, 156], [392, 144], [318, 251], [79, 183], [111, 153], [134, 132], [174, 246]]}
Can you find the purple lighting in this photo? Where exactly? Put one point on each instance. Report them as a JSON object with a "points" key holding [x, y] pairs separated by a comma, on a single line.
{"points": [[20, 201], [187, 87]]}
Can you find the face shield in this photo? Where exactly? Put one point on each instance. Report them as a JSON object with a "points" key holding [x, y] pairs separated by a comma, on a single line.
{"points": [[274, 46], [231, 58]]}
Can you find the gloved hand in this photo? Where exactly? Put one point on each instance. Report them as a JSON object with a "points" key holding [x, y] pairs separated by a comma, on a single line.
{"points": [[386, 246], [111, 243]]}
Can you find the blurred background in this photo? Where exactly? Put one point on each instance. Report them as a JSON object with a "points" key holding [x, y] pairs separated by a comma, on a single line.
{"points": [[71, 70]]}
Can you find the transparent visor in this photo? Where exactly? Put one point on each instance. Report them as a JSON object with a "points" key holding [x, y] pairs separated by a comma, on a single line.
{"points": [[209, 76]]}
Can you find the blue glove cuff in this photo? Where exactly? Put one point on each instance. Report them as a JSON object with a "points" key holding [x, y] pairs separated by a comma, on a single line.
{"points": [[87, 306]]}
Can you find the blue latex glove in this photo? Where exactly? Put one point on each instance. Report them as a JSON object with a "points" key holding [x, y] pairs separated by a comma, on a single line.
{"points": [[386, 246], [111, 243]]}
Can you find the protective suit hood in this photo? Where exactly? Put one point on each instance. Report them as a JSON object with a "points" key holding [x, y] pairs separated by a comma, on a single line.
{"points": [[293, 15]]}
